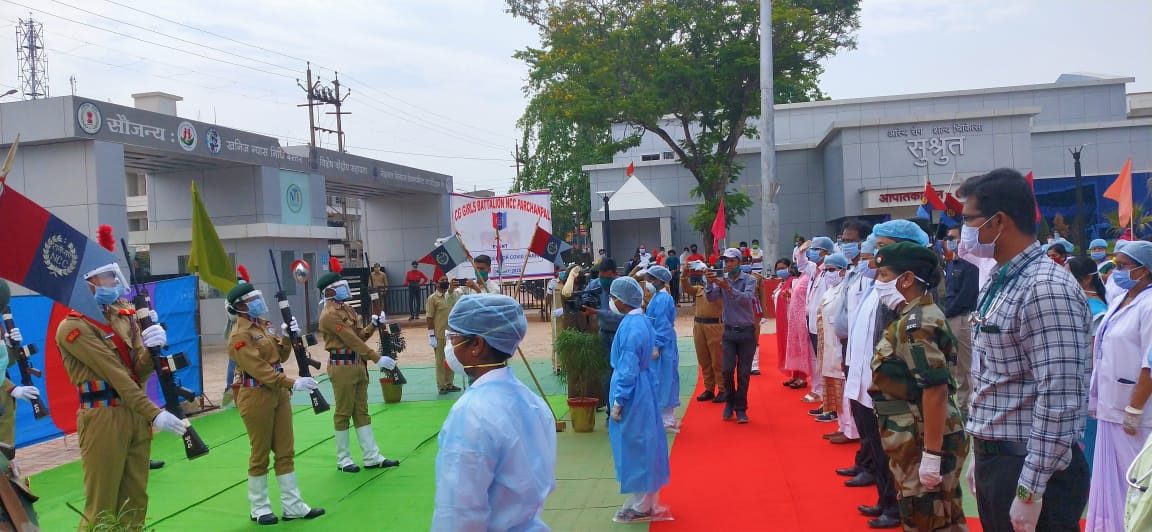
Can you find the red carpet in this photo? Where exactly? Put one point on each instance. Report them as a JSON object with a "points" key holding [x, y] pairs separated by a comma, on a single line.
{"points": [[775, 473]]}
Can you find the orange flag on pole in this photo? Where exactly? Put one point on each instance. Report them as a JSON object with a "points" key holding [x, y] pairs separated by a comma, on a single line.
{"points": [[719, 227], [1121, 192]]}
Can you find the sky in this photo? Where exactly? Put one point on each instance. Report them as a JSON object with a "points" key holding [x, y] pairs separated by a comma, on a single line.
{"points": [[434, 84]]}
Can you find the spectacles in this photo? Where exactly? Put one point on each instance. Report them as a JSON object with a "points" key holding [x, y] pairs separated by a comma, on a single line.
{"points": [[1129, 267], [456, 338]]}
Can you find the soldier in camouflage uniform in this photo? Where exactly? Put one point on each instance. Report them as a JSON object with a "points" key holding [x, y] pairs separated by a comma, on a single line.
{"points": [[921, 428]]}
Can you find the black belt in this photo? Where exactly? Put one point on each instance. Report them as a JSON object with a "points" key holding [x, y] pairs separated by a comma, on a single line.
{"points": [[999, 447], [740, 328], [108, 395], [707, 320]]}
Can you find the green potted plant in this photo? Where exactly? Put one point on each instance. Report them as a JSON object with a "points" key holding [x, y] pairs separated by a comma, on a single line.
{"points": [[582, 363]]}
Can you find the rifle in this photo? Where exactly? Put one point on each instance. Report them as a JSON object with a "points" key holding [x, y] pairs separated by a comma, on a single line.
{"points": [[319, 404], [165, 366], [39, 409], [391, 343]]}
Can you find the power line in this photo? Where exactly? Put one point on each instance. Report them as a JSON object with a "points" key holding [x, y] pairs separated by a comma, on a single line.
{"points": [[420, 123], [410, 104]]}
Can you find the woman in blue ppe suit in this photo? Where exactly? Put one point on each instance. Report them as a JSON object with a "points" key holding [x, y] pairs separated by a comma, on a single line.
{"points": [[662, 311], [635, 429], [497, 458]]}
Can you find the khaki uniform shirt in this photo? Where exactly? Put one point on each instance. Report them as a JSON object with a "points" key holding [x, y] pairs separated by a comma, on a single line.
{"points": [[378, 279], [89, 356], [256, 346], [438, 306], [705, 308], [341, 329]]}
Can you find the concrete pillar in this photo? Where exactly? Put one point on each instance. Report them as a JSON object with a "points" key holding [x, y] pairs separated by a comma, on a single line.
{"points": [[666, 231]]}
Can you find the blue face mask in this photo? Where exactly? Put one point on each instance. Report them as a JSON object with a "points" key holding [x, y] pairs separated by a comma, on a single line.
{"points": [[746, 268], [1124, 279], [342, 293], [813, 255], [1099, 255], [783, 274], [851, 250], [257, 308], [951, 245], [867, 270], [106, 295]]}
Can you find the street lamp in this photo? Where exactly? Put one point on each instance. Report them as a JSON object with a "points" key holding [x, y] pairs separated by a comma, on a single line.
{"points": [[607, 195], [575, 232], [1083, 224], [9, 93]]}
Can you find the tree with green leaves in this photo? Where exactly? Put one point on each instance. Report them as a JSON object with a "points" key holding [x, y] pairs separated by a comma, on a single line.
{"points": [[686, 71]]}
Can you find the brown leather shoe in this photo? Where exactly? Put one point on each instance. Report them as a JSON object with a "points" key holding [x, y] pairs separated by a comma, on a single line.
{"points": [[831, 435], [842, 439]]}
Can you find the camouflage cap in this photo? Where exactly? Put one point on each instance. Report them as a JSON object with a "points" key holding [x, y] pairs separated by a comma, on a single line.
{"points": [[5, 293], [905, 256], [327, 279], [238, 292]]}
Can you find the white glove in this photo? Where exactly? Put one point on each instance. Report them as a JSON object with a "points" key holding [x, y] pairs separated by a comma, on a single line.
{"points": [[155, 316], [386, 363], [375, 320], [154, 336], [290, 326], [617, 412], [1024, 515], [929, 470], [15, 336], [305, 384], [557, 313], [383, 317], [27, 393], [432, 341], [167, 422]]}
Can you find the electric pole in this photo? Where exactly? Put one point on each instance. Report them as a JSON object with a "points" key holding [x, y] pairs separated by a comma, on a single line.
{"points": [[310, 91], [337, 100]]}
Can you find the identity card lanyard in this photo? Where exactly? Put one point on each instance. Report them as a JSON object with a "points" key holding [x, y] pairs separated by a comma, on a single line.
{"points": [[992, 299]]}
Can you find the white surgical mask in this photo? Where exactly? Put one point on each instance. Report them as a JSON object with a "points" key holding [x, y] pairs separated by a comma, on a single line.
{"points": [[832, 278], [450, 358], [615, 309], [888, 294], [970, 243], [651, 287]]}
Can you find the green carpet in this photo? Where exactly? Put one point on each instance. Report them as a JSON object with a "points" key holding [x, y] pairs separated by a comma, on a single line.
{"points": [[210, 493]]}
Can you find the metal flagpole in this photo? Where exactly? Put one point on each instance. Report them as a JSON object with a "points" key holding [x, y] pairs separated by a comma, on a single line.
{"points": [[527, 253]]}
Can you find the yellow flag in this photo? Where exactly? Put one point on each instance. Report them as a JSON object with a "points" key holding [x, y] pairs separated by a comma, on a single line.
{"points": [[208, 257]]}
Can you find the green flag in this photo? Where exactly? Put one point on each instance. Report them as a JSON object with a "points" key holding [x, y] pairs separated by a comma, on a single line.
{"points": [[208, 257]]}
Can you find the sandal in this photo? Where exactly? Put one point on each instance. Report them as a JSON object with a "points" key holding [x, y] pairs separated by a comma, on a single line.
{"points": [[788, 383], [811, 398], [798, 384]]}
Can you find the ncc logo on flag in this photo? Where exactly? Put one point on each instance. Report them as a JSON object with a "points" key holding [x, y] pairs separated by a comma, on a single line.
{"points": [[499, 220]]}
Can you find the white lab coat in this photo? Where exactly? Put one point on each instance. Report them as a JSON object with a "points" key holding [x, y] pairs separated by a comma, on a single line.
{"points": [[861, 349], [1114, 294], [1120, 351], [831, 365], [816, 288]]}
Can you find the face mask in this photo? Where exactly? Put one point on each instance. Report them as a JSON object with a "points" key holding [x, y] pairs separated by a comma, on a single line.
{"points": [[342, 293], [651, 287], [106, 295], [1124, 279], [443, 285], [1058, 260], [868, 271], [601, 253], [851, 250], [642, 251], [970, 243], [734, 273], [888, 294], [746, 268], [1099, 255], [813, 255], [482, 276], [450, 358], [951, 245], [257, 308], [783, 274], [755, 246], [605, 283], [833, 279], [614, 308]]}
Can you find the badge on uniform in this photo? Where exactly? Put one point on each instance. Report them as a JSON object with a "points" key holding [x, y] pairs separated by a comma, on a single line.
{"points": [[258, 338], [914, 319], [271, 330]]}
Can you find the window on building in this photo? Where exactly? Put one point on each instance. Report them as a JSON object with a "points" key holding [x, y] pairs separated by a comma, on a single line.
{"points": [[668, 156], [137, 224], [135, 184], [286, 280], [650, 157]]}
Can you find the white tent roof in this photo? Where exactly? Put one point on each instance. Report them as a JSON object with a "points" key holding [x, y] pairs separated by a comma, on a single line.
{"points": [[633, 195]]}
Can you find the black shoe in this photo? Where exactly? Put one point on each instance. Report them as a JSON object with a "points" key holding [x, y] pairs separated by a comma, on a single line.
{"points": [[721, 397], [818, 411], [884, 521], [312, 514], [157, 464], [351, 468], [386, 463], [755, 372], [266, 519], [706, 396], [741, 417], [453, 388], [727, 413], [862, 480], [850, 472], [871, 511]]}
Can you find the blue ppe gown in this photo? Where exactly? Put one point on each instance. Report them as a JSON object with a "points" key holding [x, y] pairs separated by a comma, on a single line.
{"points": [[497, 458], [662, 312], [639, 446]]}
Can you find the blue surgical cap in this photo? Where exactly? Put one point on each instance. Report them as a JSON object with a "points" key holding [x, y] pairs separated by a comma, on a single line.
{"points": [[1098, 243], [627, 290], [1120, 244], [1068, 247], [902, 230], [496, 318], [869, 246], [836, 260], [822, 242], [1139, 251], [660, 272]]}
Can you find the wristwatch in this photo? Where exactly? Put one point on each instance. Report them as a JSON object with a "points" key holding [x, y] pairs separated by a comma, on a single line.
{"points": [[1025, 495]]}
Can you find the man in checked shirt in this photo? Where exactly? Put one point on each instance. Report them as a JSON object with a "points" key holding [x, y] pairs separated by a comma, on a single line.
{"points": [[1029, 382]]}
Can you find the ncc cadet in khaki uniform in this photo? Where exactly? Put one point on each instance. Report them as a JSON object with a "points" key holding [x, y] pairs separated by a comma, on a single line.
{"points": [[9, 392], [348, 371], [921, 428], [378, 284], [109, 365], [707, 333], [439, 305], [263, 400]]}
